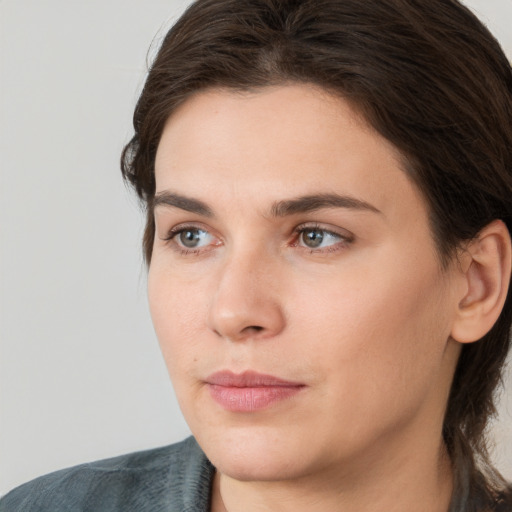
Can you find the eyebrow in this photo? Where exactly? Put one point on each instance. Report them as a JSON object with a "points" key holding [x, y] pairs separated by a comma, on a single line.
{"points": [[302, 204], [188, 204], [314, 202]]}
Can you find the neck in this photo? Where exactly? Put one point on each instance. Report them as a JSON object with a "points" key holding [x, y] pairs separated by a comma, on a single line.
{"points": [[402, 482]]}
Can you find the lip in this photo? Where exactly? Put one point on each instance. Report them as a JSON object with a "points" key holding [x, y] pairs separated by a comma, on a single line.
{"points": [[249, 391]]}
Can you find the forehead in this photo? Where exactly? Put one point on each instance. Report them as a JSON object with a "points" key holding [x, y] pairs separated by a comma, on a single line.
{"points": [[222, 145]]}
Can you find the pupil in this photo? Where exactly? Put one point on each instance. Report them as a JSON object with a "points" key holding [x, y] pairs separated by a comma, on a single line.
{"points": [[189, 238], [313, 238]]}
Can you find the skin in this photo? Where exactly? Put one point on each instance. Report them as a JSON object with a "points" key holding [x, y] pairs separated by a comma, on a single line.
{"points": [[363, 321]]}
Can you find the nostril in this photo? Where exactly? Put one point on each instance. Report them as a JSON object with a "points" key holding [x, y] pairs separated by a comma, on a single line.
{"points": [[253, 328], [248, 331]]}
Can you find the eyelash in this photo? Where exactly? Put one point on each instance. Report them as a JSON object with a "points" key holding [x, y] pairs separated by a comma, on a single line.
{"points": [[345, 239], [181, 228]]}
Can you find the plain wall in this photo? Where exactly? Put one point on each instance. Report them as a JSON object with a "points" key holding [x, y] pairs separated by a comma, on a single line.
{"points": [[81, 376]]}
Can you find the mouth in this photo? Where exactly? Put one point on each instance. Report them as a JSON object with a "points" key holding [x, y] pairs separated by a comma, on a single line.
{"points": [[249, 391]]}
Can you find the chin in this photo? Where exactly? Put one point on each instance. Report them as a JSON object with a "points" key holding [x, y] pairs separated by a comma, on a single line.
{"points": [[254, 454]]}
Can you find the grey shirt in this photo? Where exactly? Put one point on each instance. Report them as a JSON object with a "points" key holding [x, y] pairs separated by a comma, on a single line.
{"points": [[174, 478]]}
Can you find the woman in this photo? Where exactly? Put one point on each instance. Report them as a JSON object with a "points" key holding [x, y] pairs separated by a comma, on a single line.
{"points": [[328, 188]]}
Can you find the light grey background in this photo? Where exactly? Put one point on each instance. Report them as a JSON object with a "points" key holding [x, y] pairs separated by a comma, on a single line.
{"points": [[81, 376]]}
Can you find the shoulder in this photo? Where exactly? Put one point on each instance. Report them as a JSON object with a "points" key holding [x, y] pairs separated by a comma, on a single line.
{"points": [[175, 477]]}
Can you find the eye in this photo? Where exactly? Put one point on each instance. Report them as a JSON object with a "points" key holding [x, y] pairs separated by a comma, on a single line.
{"points": [[191, 238], [317, 238]]}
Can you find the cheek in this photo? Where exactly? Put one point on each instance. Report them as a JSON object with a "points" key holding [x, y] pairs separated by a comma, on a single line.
{"points": [[178, 312], [381, 336]]}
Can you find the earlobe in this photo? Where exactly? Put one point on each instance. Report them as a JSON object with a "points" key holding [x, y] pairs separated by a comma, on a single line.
{"points": [[486, 271]]}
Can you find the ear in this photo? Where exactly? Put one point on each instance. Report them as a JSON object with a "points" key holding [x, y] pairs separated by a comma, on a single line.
{"points": [[486, 269]]}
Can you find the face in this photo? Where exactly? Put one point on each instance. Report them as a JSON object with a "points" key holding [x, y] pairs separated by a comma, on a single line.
{"points": [[294, 286]]}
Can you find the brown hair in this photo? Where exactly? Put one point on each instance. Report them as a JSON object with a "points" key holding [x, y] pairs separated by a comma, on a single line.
{"points": [[430, 78]]}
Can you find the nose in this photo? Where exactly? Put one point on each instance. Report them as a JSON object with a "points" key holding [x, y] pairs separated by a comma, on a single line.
{"points": [[246, 303]]}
